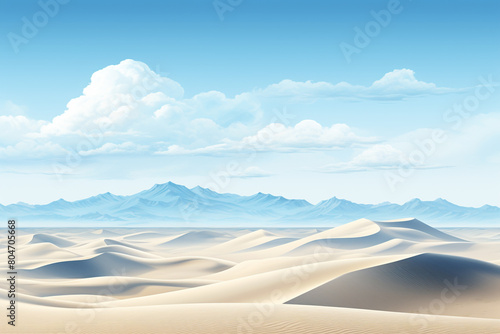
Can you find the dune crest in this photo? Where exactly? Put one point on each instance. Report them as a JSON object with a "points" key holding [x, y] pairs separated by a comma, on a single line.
{"points": [[398, 276]]}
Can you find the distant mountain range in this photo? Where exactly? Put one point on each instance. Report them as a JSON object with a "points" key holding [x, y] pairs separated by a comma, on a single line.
{"points": [[171, 204]]}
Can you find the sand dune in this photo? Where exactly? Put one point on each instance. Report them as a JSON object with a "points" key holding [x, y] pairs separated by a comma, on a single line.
{"points": [[246, 241], [456, 285], [57, 241], [197, 239], [360, 234], [126, 251], [119, 286], [143, 236], [290, 282], [115, 264], [269, 244], [108, 264], [47, 251], [403, 227], [399, 276], [112, 242], [105, 233]]}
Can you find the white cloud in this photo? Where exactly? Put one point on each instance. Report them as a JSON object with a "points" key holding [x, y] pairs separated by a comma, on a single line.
{"points": [[398, 84], [305, 135], [403, 80], [130, 103], [475, 142], [16, 128], [29, 149], [118, 96], [379, 156], [112, 148], [206, 150], [130, 107], [129, 98], [243, 108], [251, 172]]}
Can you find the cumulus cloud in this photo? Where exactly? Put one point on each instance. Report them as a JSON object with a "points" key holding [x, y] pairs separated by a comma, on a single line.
{"points": [[129, 102], [131, 108], [118, 96], [404, 81], [130, 98]]}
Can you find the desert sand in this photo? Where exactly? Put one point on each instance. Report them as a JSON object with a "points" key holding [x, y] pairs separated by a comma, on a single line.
{"points": [[399, 276]]}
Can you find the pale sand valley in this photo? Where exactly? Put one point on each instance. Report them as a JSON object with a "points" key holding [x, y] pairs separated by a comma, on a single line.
{"points": [[399, 276]]}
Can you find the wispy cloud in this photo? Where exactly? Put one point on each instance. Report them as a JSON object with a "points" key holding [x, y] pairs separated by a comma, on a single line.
{"points": [[112, 148], [305, 135], [377, 157], [251, 172], [395, 85], [10, 108]]}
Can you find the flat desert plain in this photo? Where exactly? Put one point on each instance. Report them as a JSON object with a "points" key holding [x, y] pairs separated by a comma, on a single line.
{"points": [[398, 276]]}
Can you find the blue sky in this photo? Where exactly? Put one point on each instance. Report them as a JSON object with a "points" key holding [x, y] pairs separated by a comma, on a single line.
{"points": [[265, 59]]}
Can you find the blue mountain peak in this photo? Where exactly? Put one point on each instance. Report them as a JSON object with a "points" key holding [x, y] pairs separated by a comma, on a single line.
{"points": [[171, 203]]}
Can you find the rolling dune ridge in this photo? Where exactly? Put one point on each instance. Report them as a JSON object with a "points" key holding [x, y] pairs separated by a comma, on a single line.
{"points": [[399, 276]]}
